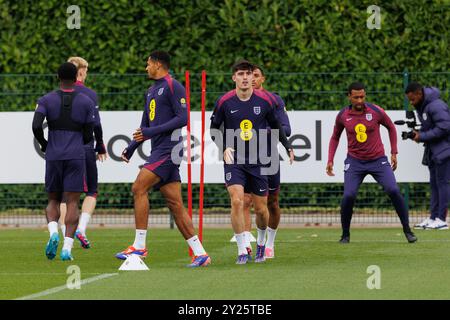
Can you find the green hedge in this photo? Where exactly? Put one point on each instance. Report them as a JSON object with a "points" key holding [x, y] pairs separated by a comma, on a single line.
{"points": [[283, 35], [310, 38]]}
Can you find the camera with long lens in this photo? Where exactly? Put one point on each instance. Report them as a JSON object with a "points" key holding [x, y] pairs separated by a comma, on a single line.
{"points": [[410, 123]]}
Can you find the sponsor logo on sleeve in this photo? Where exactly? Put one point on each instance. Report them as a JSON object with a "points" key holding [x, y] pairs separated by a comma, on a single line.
{"points": [[183, 102]]}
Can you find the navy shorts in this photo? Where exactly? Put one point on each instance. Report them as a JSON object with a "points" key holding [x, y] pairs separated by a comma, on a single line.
{"points": [[248, 176], [274, 182], [65, 176], [91, 173], [165, 169]]}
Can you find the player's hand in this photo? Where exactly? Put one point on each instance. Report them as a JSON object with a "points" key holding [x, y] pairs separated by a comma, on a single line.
{"points": [[102, 156], [416, 136], [330, 169], [228, 156], [124, 155], [394, 161], [291, 156], [138, 136]]}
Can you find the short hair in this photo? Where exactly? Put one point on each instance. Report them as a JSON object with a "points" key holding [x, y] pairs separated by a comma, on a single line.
{"points": [[78, 62], [67, 72], [161, 56], [242, 65], [355, 86], [255, 66], [413, 87]]}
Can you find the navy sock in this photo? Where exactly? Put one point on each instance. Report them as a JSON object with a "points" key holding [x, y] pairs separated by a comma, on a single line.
{"points": [[400, 208], [346, 214]]}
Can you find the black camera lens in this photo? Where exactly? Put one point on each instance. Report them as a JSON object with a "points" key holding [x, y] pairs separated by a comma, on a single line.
{"points": [[404, 135], [411, 135]]}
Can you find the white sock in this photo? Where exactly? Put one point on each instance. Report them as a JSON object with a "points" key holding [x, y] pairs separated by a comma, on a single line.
{"points": [[261, 239], [140, 239], [68, 244], [52, 227], [63, 229], [247, 239], [196, 246], [84, 220], [240, 239], [271, 233]]}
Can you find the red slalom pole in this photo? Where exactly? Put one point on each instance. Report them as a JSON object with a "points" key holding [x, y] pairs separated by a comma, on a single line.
{"points": [[202, 158], [189, 172]]}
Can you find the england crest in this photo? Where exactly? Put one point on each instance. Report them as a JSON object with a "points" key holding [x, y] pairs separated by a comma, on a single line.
{"points": [[160, 91], [368, 116], [228, 176], [257, 110]]}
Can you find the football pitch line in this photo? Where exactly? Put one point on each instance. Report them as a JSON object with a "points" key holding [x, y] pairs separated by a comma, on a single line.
{"points": [[61, 288]]}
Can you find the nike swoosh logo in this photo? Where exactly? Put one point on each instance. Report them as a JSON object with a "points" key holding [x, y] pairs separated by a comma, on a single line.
{"points": [[271, 189], [233, 111], [261, 190], [384, 162], [348, 119]]}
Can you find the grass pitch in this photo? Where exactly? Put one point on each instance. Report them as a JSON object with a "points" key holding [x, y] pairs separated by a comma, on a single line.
{"points": [[309, 264]]}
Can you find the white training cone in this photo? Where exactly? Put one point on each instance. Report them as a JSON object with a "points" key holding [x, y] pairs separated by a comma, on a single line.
{"points": [[133, 262]]}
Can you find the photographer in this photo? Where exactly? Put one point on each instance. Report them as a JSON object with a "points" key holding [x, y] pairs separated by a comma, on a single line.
{"points": [[434, 116]]}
